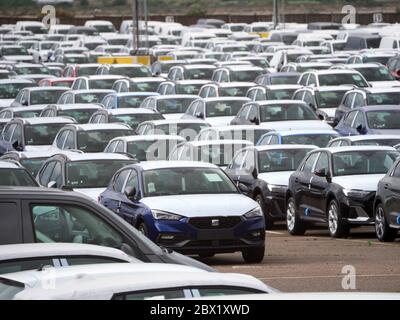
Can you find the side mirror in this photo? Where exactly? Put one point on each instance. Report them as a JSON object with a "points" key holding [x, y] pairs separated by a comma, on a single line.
{"points": [[24, 103], [321, 117], [51, 184], [200, 115], [323, 173], [254, 173], [130, 193], [243, 188], [361, 129], [255, 121]]}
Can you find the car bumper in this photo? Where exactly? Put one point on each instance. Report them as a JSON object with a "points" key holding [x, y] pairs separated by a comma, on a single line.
{"points": [[186, 237], [358, 211], [275, 204]]}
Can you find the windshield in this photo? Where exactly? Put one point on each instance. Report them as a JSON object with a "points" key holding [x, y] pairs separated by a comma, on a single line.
{"points": [[9, 289], [382, 60], [283, 94], [201, 74], [363, 162], [80, 115], [285, 79], [131, 101], [281, 160], [376, 74], [90, 97], [188, 88], [41, 134], [133, 120], [151, 149], [180, 181], [181, 128], [97, 140], [75, 59], [101, 84], [220, 155], [45, 96], [33, 165], [62, 83], [131, 72], [36, 30], [245, 76], [14, 51], [27, 114], [383, 98], [223, 108], [93, 173], [174, 105], [105, 28], [320, 140], [233, 91], [16, 178], [342, 79], [11, 90], [286, 112], [47, 45], [32, 70], [263, 63], [150, 86], [85, 71], [384, 119], [329, 99]]}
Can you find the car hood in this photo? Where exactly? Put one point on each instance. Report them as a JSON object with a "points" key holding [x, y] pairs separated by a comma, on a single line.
{"points": [[92, 193], [18, 58], [5, 103], [219, 121], [202, 205], [384, 84], [296, 125], [368, 182], [278, 178], [173, 116], [40, 148]]}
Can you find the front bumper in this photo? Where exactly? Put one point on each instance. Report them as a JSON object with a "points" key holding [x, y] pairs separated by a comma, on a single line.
{"points": [[359, 211], [275, 203], [196, 235]]}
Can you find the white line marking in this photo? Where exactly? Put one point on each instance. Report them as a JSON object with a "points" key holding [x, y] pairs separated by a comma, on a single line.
{"points": [[338, 276]]}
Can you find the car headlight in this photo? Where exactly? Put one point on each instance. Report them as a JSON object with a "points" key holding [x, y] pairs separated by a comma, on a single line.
{"points": [[163, 215], [255, 213], [276, 188], [350, 193]]}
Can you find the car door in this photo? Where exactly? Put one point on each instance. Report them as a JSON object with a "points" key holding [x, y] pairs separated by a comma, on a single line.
{"points": [[10, 222], [130, 208], [319, 187], [391, 185], [302, 181]]}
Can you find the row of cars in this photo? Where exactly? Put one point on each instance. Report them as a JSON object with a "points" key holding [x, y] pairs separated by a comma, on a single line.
{"points": [[224, 135]]}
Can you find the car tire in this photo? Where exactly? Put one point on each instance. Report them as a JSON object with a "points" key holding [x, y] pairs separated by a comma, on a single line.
{"points": [[269, 222], [254, 255], [337, 227], [143, 229], [384, 233], [294, 224]]}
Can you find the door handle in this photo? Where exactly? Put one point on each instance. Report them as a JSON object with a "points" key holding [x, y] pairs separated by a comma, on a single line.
{"points": [[386, 186], [296, 180]]}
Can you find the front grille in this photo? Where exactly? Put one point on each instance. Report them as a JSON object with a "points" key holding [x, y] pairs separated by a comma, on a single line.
{"points": [[214, 222]]}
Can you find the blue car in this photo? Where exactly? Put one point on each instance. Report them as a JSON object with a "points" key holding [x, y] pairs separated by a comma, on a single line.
{"points": [[125, 99], [370, 120], [190, 207]]}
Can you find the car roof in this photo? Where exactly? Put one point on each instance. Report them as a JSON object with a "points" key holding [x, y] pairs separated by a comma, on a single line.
{"points": [[201, 143], [35, 250], [103, 77], [175, 121], [374, 90], [272, 102], [101, 126], [129, 111], [48, 88], [357, 148], [10, 81], [154, 165], [147, 79], [243, 68], [8, 165], [237, 128], [77, 106], [281, 86], [106, 91], [78, 156], [47, 120], [379, 108], [150, 137], [216, 99], [234, 84], [332, 71], [284, 147], [176, 96], [135, 94], [369, 137], [305, 131]]}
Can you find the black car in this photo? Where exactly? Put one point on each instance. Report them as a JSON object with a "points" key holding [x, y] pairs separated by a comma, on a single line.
{"points": [[336, 186], [387, 205], [31, 215]]}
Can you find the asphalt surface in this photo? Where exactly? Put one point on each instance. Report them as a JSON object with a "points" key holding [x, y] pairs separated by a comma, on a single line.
{"points": [[314, 262]]}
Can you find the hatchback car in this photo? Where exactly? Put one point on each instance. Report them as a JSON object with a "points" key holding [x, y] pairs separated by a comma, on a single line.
{"points": [[192, 207], [337, 186]]}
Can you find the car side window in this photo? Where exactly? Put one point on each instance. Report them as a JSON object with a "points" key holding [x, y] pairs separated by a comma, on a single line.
{"points": [[61, 139], [72, 224], [298, 95], [323, 162], [8, 131], [243, 112], [17, 134], [309, 164], [238, 160], [56, 176], [359, 120], [264, 140], [349, 118], [348, 101], [396, 172], [132, 181], [70, 141], [69, 99], [45, 174], [335, 144], [119, 181], [248, 163], [111, 147], [251, 94], [120, 147], [304, 79], [212, 92], [358, 100], [312, 79], [224, 76], [260, 95], [146, 295], [253, 113], [274, 139], [169, 89], [308, 99]]}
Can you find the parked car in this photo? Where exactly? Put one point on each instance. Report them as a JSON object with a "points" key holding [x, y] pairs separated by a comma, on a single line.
{"points": [[225, 89], [95, 82], [366, 140], [274, 78], [21, 112], [272, 92], [83, 96], [15, 175], [340, 186], [148, 84], [191, 87], [38, 95], [170, 203], [126, 99], [333, 77], [9, 89]]}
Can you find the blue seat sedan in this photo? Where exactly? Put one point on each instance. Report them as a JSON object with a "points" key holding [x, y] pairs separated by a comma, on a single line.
{"points": [[126, 99], [370, 120], [190, 207]]}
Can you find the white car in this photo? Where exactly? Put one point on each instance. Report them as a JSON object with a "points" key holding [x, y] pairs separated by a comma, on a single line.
{"points": [[366, 140], [33, 256], [127, 282]]}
